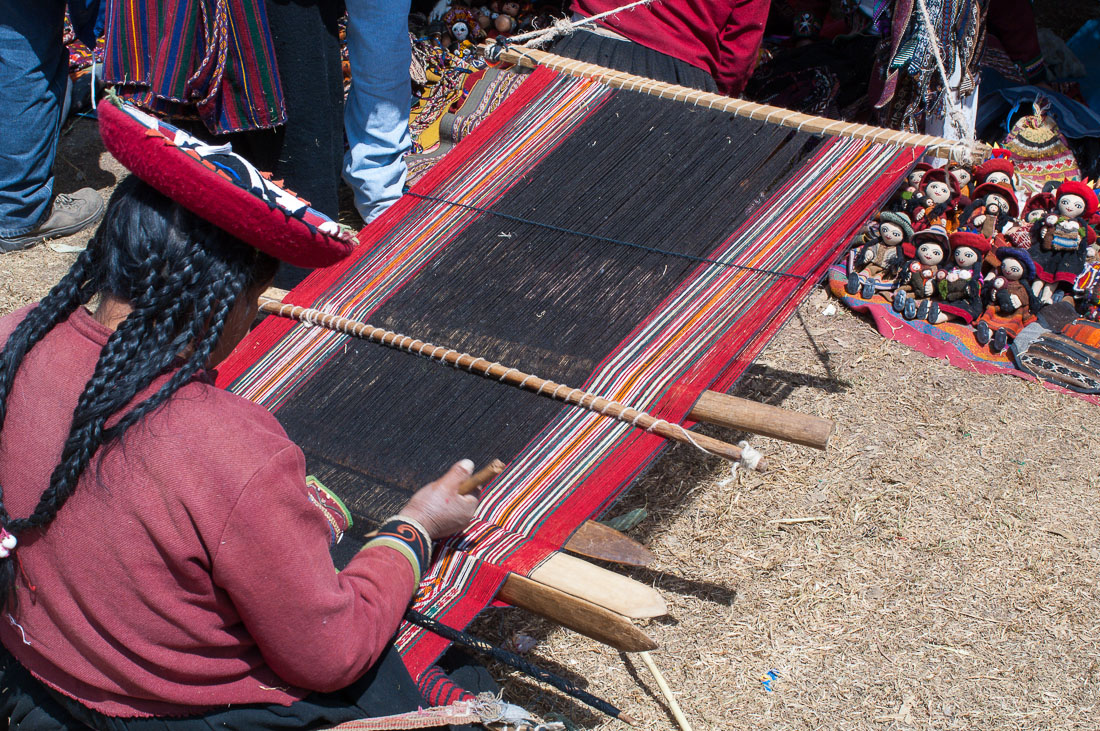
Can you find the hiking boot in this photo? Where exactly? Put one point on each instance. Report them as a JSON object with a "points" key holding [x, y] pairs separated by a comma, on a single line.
{"points": [[69, 214]]}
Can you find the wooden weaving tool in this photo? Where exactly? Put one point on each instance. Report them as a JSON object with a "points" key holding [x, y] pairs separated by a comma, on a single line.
{"points": [[938, 146]]}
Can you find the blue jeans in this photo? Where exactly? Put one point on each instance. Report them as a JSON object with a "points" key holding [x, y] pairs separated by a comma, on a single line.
{"points": [[376, 114], [34, 70]]}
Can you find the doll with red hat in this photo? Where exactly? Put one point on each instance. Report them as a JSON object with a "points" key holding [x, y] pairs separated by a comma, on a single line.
{"points": [[1010, 304], [958, 289], [964, 174], [931, 248], [937, 201], [163, 560], [903, 198], [996, 170], [1063, 237], [876, 255], [993, 209]]}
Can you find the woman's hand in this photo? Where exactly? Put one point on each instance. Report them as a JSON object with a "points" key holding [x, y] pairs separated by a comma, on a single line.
{"points": [[439, 508]]}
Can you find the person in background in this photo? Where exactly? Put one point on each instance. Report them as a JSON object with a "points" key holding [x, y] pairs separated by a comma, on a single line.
{"points": [[35, 69], [710, 45], [376, 114]]}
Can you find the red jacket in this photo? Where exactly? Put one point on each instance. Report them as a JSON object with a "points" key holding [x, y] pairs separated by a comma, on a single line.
{"points": [[192, 571], [722, 37]]}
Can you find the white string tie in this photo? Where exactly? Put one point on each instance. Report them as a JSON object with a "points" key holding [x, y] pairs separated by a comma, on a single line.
{"points": [[750, 457]]}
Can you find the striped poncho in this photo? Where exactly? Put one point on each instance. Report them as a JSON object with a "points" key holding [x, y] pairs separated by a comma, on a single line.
{"points": [[206, 59]]}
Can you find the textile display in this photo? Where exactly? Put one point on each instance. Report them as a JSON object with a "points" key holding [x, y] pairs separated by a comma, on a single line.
{"points": [[482, 91], [952, 342], [636, 247]]}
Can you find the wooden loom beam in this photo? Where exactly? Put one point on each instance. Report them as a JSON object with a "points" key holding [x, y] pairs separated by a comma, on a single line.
{"points": [[530, 57], [764, 419]]}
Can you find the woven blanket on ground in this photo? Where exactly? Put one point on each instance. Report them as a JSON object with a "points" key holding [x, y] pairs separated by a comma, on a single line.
{"points": [[953, 342], [637, 247], [484, 90]]}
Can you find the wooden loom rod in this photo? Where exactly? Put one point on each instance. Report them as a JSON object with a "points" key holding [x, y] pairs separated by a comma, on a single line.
{"points": [[530, 57], [505, 374], [763, 419], [579, 615], [481, 477]]}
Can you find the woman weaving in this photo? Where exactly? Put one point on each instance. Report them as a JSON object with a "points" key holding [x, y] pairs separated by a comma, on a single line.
{"points": [[163, 563]]}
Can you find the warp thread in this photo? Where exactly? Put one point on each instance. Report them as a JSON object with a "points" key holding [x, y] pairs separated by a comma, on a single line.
{"points": [[606, 239], [418, 347]]}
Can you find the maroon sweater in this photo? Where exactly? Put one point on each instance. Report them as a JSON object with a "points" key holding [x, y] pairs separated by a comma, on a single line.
{"points": [[722, 37], [194, 572]]}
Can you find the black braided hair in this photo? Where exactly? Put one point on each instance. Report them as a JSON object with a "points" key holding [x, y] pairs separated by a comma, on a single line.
{"points": [[181, 276]]}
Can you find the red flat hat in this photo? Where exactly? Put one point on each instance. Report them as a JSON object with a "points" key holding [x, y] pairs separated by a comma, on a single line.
{"points": [[944, 176], [1002, 190], [1087, 194], [971, 240], [215, 183], [1039, 202], [994, 165]]}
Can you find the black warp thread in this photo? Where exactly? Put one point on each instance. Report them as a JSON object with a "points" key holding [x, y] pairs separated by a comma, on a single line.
{"points": [[375, 424], [608, 240], [511, 659]]}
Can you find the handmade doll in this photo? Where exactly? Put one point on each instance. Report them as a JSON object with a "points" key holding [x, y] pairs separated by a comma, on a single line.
{"points": [[485, 17], [1063, 237], [931, 248], [964, 176], [508, 19], [993, 210], [1010, 303], [462, 25], [937, 201], [876, 255], [902, 200], [957, 294], [996, 170]]}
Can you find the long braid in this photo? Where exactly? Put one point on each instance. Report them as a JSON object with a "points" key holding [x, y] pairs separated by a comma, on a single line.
{"points": [[181, 279], [68, 294]]}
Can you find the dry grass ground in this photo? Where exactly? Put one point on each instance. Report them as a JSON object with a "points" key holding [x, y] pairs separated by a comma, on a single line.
{"points": [[950, 581]]}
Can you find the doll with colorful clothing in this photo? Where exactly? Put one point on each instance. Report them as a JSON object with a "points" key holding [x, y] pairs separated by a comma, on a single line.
{"points": [[992, 211], [875, 258], [958, 289], [937, 201], [1010, 303], [1063, 236], [916, 284]]}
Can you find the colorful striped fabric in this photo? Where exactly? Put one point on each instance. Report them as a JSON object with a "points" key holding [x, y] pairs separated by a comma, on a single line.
{"points": [[210, 59], [701, 335]]}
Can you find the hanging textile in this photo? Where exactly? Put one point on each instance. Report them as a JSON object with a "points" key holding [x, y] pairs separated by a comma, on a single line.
{"points": [[186, 59], [906, 85]]}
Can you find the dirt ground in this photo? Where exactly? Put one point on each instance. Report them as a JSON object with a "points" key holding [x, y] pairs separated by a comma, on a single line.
{"points": [[947, 581]]}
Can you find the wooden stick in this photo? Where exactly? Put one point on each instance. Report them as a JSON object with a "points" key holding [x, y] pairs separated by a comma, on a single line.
{"points": [[763, 419], [579, 615], [530, 57], [596, 540], [505, 374], [677, 712], [481, 477], [615, 592]]}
